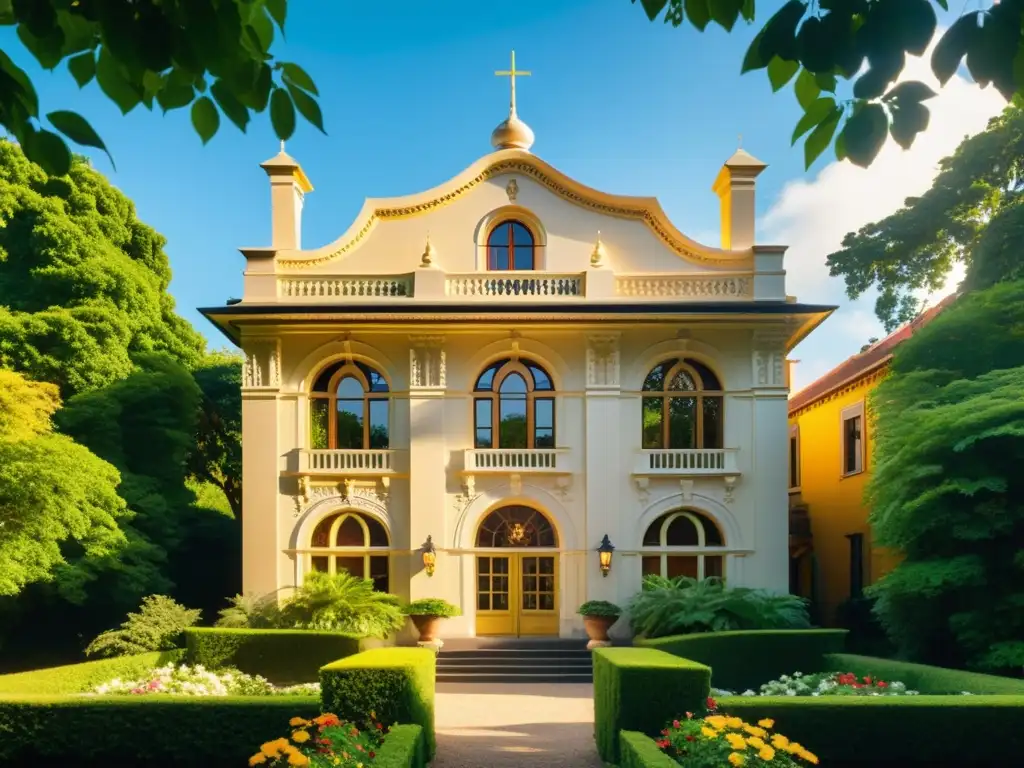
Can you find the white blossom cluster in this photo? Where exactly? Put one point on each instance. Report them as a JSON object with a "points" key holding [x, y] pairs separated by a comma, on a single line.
{"points": [[184, 680]]}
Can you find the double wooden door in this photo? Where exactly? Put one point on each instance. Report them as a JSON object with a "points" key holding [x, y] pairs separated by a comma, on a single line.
{"points": [[517, 594]]}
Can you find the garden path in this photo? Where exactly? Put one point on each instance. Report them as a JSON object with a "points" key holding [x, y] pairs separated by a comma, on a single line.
{"points": [[527, 726]]}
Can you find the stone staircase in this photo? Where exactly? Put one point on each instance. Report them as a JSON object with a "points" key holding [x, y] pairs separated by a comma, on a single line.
{"points": [[514, 660]]}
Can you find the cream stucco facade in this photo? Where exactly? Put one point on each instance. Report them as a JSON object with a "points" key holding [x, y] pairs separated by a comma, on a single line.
{"points": [[408, 295]]}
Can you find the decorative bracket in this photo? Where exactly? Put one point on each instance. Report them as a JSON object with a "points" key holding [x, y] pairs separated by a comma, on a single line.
{"points": [[643, 487], [686, 485], [515, 484], [730, 487]]}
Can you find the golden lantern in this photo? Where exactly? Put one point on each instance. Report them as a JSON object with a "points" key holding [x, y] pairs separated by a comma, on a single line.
{"points": [[604, 554], [430, 555]]}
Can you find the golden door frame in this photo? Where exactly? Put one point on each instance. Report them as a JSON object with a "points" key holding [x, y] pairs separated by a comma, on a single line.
{"points": [[516, 586]]}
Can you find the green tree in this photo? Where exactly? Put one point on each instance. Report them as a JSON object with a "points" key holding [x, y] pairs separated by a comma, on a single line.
{"points": [[211, 55], [217, 455], [971, 215], [816, 44], [947, 490]]}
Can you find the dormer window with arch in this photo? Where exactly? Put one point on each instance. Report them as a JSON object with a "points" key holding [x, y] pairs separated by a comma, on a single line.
{"points": [[514, 406], [511, 246], [349, 408], [682, 406]]}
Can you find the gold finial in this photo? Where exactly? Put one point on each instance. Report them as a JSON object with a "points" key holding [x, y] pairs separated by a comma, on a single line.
{"points": [[427, 260], [511, 75], [598, 253]]}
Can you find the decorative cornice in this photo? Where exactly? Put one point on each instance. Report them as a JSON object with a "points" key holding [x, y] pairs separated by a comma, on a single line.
{"points": [[644, 209], [867, 379]]}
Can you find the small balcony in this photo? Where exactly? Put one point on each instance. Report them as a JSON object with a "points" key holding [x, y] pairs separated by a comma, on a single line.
{"points": [[515, 461], [349, 463], [686, 462]]}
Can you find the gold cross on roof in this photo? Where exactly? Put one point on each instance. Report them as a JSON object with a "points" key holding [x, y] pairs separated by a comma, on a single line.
{"points": [[511, 75]]}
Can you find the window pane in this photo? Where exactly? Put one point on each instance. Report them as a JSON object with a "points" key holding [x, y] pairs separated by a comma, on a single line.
{"points": [[794, 464], [499, 235], [486, 380], [713, 566], [547, 602], [682, 565], [544, 413], [655, 381], [513, 384], [852, 442], [483, 602], [350, 533], [322, 532], [483, 439], [512, 412], [500, 602], [350, 424], [708, 379], [379, 573], [377, 382], [319, 563], [319, 420], [520, 234], [541, 380], [653, 532], [682, 422], [349, 387], [651, 564], [712, 534], [379, 410], [681, 533], [378, 534], [652, 422], [523, 257], [353, 565], [682, 382], [324, 379], [712, 407], [482, 411], [544, 438], [529, 601], [498, 259]]}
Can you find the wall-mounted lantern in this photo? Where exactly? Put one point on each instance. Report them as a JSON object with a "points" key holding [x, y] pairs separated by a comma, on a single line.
{"points": [[430, 555], [604, 553]]}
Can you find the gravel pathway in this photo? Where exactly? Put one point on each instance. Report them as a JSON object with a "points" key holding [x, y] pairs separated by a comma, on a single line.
{"points": [[526, 726]]}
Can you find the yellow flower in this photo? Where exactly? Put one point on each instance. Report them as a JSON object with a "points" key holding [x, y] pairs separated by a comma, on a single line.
{"points": [[709, 732], [258, 759], [755, 742], [755, 731], [716, 721], [736, 741], [734, 722], [766, 753], [297, 758], [270, 749], [766, 723], [794, 747], [810, 757], [737, 759], [779, 741], [295, 722], [300, 737]]}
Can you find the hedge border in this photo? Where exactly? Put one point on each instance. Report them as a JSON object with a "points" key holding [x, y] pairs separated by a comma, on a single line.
{"points": [[403, 747], [641, 689], [397, 684], [641, 751], [76, 678], [924, 678]]}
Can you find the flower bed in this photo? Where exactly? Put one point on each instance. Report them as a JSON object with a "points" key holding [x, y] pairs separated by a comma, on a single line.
{"points": [[183, 680], [324, 740], [826, 684]]}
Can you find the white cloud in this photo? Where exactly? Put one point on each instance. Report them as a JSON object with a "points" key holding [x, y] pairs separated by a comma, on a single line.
{"points": [[813, 216]]}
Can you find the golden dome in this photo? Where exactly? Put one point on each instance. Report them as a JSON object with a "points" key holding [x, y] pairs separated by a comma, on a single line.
{"points": [[512, 133]]}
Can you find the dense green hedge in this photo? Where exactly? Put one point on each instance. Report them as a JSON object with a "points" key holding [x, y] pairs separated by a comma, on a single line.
{"points": [[749, 658], [641, 689], [151, 731], [920, 677], [639, 751], [895, 730], [395, 683], [404, 747], [76, 678], [283, 656]]}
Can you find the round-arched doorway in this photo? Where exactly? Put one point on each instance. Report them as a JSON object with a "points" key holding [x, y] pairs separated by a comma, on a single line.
{"points": [[517, 581]]}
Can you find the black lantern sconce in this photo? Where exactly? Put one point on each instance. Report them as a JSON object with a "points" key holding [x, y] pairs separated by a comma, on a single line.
{"points": [[430, 555], [604, 553]]}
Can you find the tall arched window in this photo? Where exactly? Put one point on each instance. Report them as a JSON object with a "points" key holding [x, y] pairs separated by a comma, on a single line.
{"points": [[682, 406], [514, 406], [510, 246], [349, 408], [683, 537], [353, 542]]}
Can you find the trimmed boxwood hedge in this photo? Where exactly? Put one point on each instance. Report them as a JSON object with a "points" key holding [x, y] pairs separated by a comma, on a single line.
{"points": [[748, 658], [395, 683], [640, 751], [283, 656], [76, 678], [922, 678], [403, 747], [641, 689]]}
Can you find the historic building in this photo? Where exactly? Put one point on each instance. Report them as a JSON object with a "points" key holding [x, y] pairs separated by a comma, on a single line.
{"points": [[507, 369], [833, 557]]}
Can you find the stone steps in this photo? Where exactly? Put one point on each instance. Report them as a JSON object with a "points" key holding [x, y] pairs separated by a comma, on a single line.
{"points": [[514, 660]]}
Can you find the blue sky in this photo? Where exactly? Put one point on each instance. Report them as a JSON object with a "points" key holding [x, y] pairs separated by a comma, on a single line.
{"points": [[410, 98]]}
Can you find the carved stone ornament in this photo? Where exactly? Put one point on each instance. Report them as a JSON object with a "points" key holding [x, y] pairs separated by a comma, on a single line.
{"points": [[512, 190], [515, 484], [427, 260], [769, 359], [563, 484], [603, 360], [643, 488], [467, 495], [427, 362], [730, 488], [262, 367], [686, 485], [367, 498]]}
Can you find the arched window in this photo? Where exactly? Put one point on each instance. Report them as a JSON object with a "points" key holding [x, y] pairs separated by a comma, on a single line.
{"points": [[349, 408], [682, 406], [514, 406], [516, 526], [510, 246], [683, 537], [354, 542]]}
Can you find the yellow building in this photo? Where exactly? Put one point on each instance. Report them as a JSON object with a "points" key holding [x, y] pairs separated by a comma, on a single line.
{"points": [[832, 556]]}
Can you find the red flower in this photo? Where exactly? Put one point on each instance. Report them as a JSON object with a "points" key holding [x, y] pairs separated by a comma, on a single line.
{"points": [[867, 679], [372, 755], [689, 738], [675, 723], [664, 732], [689, 715], [662, 743], [882, 684], [712, 704]]}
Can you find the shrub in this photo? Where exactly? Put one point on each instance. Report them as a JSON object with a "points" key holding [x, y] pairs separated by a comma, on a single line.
{"points": [[403, 748], [926, 679], [639, 751], [283, 656], [432, 606], [641, 689], [742, 660], [342, 603], [76, 678], [599, 608], [156, 627], [684, 605], [252, 612], [397, 684]]}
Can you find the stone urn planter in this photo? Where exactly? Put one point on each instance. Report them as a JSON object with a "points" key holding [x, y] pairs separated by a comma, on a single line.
{"points": [[598, 618], [427, 615]]}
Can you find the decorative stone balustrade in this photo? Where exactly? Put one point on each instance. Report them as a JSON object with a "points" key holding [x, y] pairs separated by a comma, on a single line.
{"points": [[698, 286], [517, 460], [515, 285], [346, 287], [686, 462], [347, 462]]}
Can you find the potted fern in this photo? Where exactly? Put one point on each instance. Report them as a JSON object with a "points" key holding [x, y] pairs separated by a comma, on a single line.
{"points": [[598, 618], [427, 615]]}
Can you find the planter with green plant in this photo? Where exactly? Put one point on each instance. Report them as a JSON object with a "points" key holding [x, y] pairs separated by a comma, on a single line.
{"points": [[427, 615], [598, 618]]}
